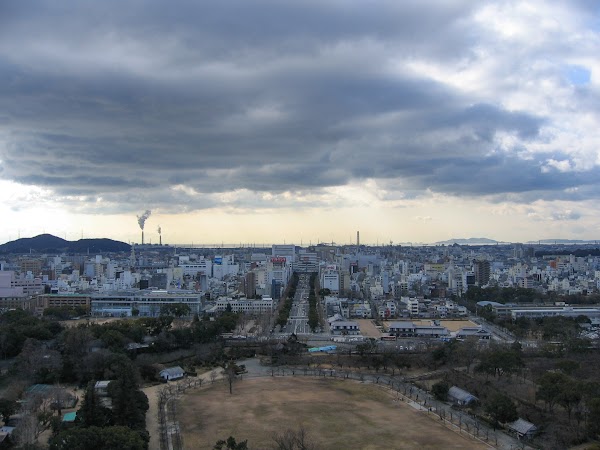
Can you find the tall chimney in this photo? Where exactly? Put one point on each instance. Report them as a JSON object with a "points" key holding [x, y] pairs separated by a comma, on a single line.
{"points": [[142, 237], [358, 238]]}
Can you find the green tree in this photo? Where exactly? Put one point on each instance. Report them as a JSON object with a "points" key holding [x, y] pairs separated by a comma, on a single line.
{"points": [[156, 325], [499, 361], [567, 366], [96, 438], [594, 416], [501, 409], [175, 310], [550, 387], [129, 404], [231, 444], [440, 390], [114, 340], [7, 408], [123, 438], [570, 396], [92, 413]]}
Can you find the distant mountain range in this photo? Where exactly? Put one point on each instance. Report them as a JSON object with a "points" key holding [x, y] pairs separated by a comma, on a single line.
{"points": [[469, 241], [564, 241], [486, 241], [47, 243]]}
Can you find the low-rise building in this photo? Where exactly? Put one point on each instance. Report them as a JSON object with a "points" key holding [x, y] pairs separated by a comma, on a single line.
{"points": [[522, 428], [62, 300], [172, 373], [409, 329], [477, 332], [344, 327], [247, 306], [460, 396], [147, 303]]}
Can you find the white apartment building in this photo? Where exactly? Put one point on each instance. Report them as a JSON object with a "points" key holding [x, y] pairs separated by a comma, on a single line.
{"points": [[307, 262], [412, 305], [278, 268], [203, 266], [224, 266], [246, 306], [330, 279]]}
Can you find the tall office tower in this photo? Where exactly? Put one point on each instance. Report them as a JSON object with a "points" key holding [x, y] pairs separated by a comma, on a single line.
{"points": [[482, 272]]}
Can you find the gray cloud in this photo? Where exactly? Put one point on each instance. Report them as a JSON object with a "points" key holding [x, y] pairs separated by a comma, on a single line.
{"points": [[113, 101]]}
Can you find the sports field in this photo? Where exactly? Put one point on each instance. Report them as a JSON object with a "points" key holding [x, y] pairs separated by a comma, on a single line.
{"points": [[336, 414]]}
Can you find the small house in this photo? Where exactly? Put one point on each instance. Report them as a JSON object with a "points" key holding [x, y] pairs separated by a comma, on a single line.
{"points": [[461, 397], [172, 373], [522, 428], [8, 430], [101, 388]]}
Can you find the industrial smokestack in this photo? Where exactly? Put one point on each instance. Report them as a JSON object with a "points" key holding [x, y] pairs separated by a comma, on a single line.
{"points": [[142, 220], [358, 238], [159, 236]]}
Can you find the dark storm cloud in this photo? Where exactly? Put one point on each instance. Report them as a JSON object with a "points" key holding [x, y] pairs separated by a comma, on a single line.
{"points": [[122, 101]]}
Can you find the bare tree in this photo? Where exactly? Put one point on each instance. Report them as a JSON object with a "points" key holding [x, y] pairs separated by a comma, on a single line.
{"points": [[36, 358], [293, 440], [213, 376], [35, 414], [60, 398], [468, 351], [230, 374], [27, 430]]}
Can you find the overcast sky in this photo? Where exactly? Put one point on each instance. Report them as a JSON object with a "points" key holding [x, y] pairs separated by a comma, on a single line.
{"points": [[264, 121]]}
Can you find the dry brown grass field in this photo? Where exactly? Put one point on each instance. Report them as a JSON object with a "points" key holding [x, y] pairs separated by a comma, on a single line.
{"points": [[368, 329], [337, 414]]}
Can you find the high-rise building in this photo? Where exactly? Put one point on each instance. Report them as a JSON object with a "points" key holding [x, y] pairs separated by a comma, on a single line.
{"points": [[250, 285], [482, 272]]}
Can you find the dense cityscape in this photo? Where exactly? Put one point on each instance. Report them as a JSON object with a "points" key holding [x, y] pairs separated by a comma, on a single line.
{"points": [[299, 225], [414, 314]]}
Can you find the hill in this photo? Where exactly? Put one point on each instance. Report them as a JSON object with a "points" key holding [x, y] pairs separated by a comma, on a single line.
{"points": [[468, 241], [47, 243]]}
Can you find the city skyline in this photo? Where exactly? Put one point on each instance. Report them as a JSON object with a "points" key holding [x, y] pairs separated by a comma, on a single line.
{"points": [[260, 122]]}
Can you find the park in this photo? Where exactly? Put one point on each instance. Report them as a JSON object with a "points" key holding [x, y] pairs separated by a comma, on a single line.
{"points": [[334, 414]]}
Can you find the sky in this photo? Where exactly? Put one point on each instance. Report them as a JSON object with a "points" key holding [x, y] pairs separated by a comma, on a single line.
{"points": [[267, 121]]}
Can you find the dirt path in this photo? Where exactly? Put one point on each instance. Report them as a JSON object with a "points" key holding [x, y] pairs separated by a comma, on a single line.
{"points": [[152, 392], [152, 416]]}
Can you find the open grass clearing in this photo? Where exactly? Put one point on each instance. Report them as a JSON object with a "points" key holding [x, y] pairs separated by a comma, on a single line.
{"points": [[336, 414]]}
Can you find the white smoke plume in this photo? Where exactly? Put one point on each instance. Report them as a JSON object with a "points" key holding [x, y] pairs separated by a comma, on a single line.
{"points": [[142, 219], [159, 229]]}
